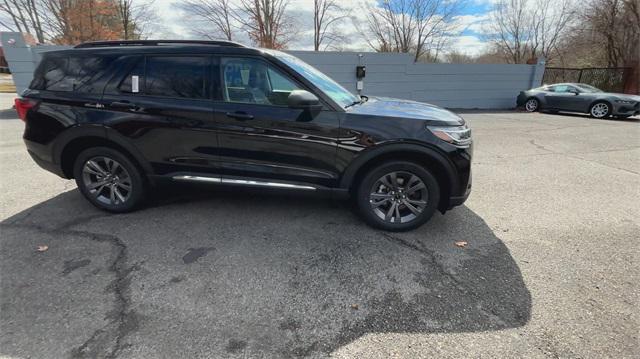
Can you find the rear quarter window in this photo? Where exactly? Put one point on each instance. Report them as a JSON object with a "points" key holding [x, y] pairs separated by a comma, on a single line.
{"points": [[70, 74]]}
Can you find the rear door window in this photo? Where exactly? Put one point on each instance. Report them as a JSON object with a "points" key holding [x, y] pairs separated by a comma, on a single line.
{"points": [[134, 81], [173, 76]]}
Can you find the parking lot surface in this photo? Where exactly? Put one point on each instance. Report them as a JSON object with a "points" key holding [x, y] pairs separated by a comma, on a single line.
{"points": [[551, 266]]}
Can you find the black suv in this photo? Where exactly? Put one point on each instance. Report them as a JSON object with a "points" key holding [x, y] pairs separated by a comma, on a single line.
{"points": [[121, 116]]}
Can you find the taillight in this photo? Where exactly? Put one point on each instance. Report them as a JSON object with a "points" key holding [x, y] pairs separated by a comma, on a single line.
{"points": [[22, 107]]}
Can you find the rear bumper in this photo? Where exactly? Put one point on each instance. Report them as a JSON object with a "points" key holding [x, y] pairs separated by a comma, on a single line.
{"points": [[42, 157]]}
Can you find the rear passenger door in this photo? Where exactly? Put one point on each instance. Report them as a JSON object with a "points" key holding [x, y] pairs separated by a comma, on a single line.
{"points": [[163, 105]]}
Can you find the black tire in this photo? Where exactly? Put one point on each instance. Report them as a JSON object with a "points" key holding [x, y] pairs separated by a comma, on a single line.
{"points": [[126, 174], [532, 105], [600, 103], [370, 185]]}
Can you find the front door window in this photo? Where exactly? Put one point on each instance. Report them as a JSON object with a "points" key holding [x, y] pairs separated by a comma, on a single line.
{"points": [[253, 81]]}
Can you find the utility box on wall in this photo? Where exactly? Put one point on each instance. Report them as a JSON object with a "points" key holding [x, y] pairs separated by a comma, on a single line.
{"points": [[361, 72]]}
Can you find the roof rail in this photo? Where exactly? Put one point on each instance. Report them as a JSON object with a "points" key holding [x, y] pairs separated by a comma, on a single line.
{"points": [[156, 43]]}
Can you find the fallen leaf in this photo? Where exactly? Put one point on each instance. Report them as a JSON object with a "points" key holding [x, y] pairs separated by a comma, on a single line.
{"points": [[354, 306], [461, 244], [42, 248]]}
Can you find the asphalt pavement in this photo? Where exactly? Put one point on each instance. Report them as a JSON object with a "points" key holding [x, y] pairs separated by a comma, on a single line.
{"points": [[550, 270]]}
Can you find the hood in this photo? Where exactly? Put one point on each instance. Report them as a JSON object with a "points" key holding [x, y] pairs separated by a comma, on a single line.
{"points": [[392, 107]]}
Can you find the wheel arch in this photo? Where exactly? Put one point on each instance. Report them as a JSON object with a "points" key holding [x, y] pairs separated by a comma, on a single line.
{"points": [[78, 139], [430, 158], [598, 100]]}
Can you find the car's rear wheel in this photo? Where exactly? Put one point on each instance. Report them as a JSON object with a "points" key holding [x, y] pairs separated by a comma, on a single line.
{"points": [[600, 110], [532, 105], [398, 196], [109, 180]]}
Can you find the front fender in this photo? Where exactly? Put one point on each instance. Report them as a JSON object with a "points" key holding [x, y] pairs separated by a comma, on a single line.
{"points": [[430, 153]]}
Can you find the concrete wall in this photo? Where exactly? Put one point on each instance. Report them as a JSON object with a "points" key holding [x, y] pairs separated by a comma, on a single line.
{"points": [[463, 86]]}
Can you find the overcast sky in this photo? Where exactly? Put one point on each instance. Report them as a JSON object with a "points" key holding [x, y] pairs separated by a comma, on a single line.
{"points": [[173, 23]]}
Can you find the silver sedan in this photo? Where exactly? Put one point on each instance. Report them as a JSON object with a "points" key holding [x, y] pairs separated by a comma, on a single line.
{"points": [[576, 97]]}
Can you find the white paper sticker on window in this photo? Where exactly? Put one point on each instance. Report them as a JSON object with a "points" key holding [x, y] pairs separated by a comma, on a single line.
{"points": [[134, 84]]}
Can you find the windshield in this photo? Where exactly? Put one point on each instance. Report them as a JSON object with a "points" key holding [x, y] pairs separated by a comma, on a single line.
{"points": [[588, 88], [337, 93]]}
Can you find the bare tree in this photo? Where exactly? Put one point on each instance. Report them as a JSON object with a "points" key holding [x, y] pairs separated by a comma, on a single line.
{"points": [[457, 57], [616, 25], [267, 22], [26, 16], [510, 29], [217, 14], [420, 27], [134, 17], [551, 19], [326, 13], [524, 29], [75, 21]]}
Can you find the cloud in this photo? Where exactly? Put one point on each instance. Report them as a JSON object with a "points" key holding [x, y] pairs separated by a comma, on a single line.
{"points": [[469, 45], [471, 23]]}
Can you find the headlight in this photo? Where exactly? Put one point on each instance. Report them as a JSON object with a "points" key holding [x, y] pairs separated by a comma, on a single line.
{"points": [[625, 102], [459, 136]]}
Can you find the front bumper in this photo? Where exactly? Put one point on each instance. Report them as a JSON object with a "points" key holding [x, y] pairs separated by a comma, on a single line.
{"points": [[620, 109], [455, 201]]}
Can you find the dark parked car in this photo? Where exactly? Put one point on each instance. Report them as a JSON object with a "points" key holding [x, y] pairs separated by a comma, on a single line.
{"points": [[575, 97], [121, 116]]}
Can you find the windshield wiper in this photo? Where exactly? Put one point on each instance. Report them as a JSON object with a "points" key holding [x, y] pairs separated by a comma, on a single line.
{"points": [[363, 99], [353, 104]]}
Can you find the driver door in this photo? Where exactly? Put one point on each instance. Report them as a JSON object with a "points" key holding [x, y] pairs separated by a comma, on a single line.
{"points": [[565, 98], [260, 137]]}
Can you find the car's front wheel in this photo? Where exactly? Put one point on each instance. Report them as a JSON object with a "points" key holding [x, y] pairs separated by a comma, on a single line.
{"points": [[600, 110], [109, 180], [398, 196]]}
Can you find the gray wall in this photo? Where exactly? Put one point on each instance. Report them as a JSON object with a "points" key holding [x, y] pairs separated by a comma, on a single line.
{"points": [[463, 86], [22, 59], [468, 86]]}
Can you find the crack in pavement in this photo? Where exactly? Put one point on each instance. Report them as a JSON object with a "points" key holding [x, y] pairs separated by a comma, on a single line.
{"points": [[106, 342], [419, 247]]}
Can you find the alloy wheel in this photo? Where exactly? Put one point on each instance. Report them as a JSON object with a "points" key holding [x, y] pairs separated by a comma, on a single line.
{"points": [[600, 110], [398, 197], [531, 105], [107, 180]]}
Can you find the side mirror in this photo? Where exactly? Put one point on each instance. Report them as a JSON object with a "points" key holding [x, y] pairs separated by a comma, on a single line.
{"points": [[575, 92], [304, 100]]}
